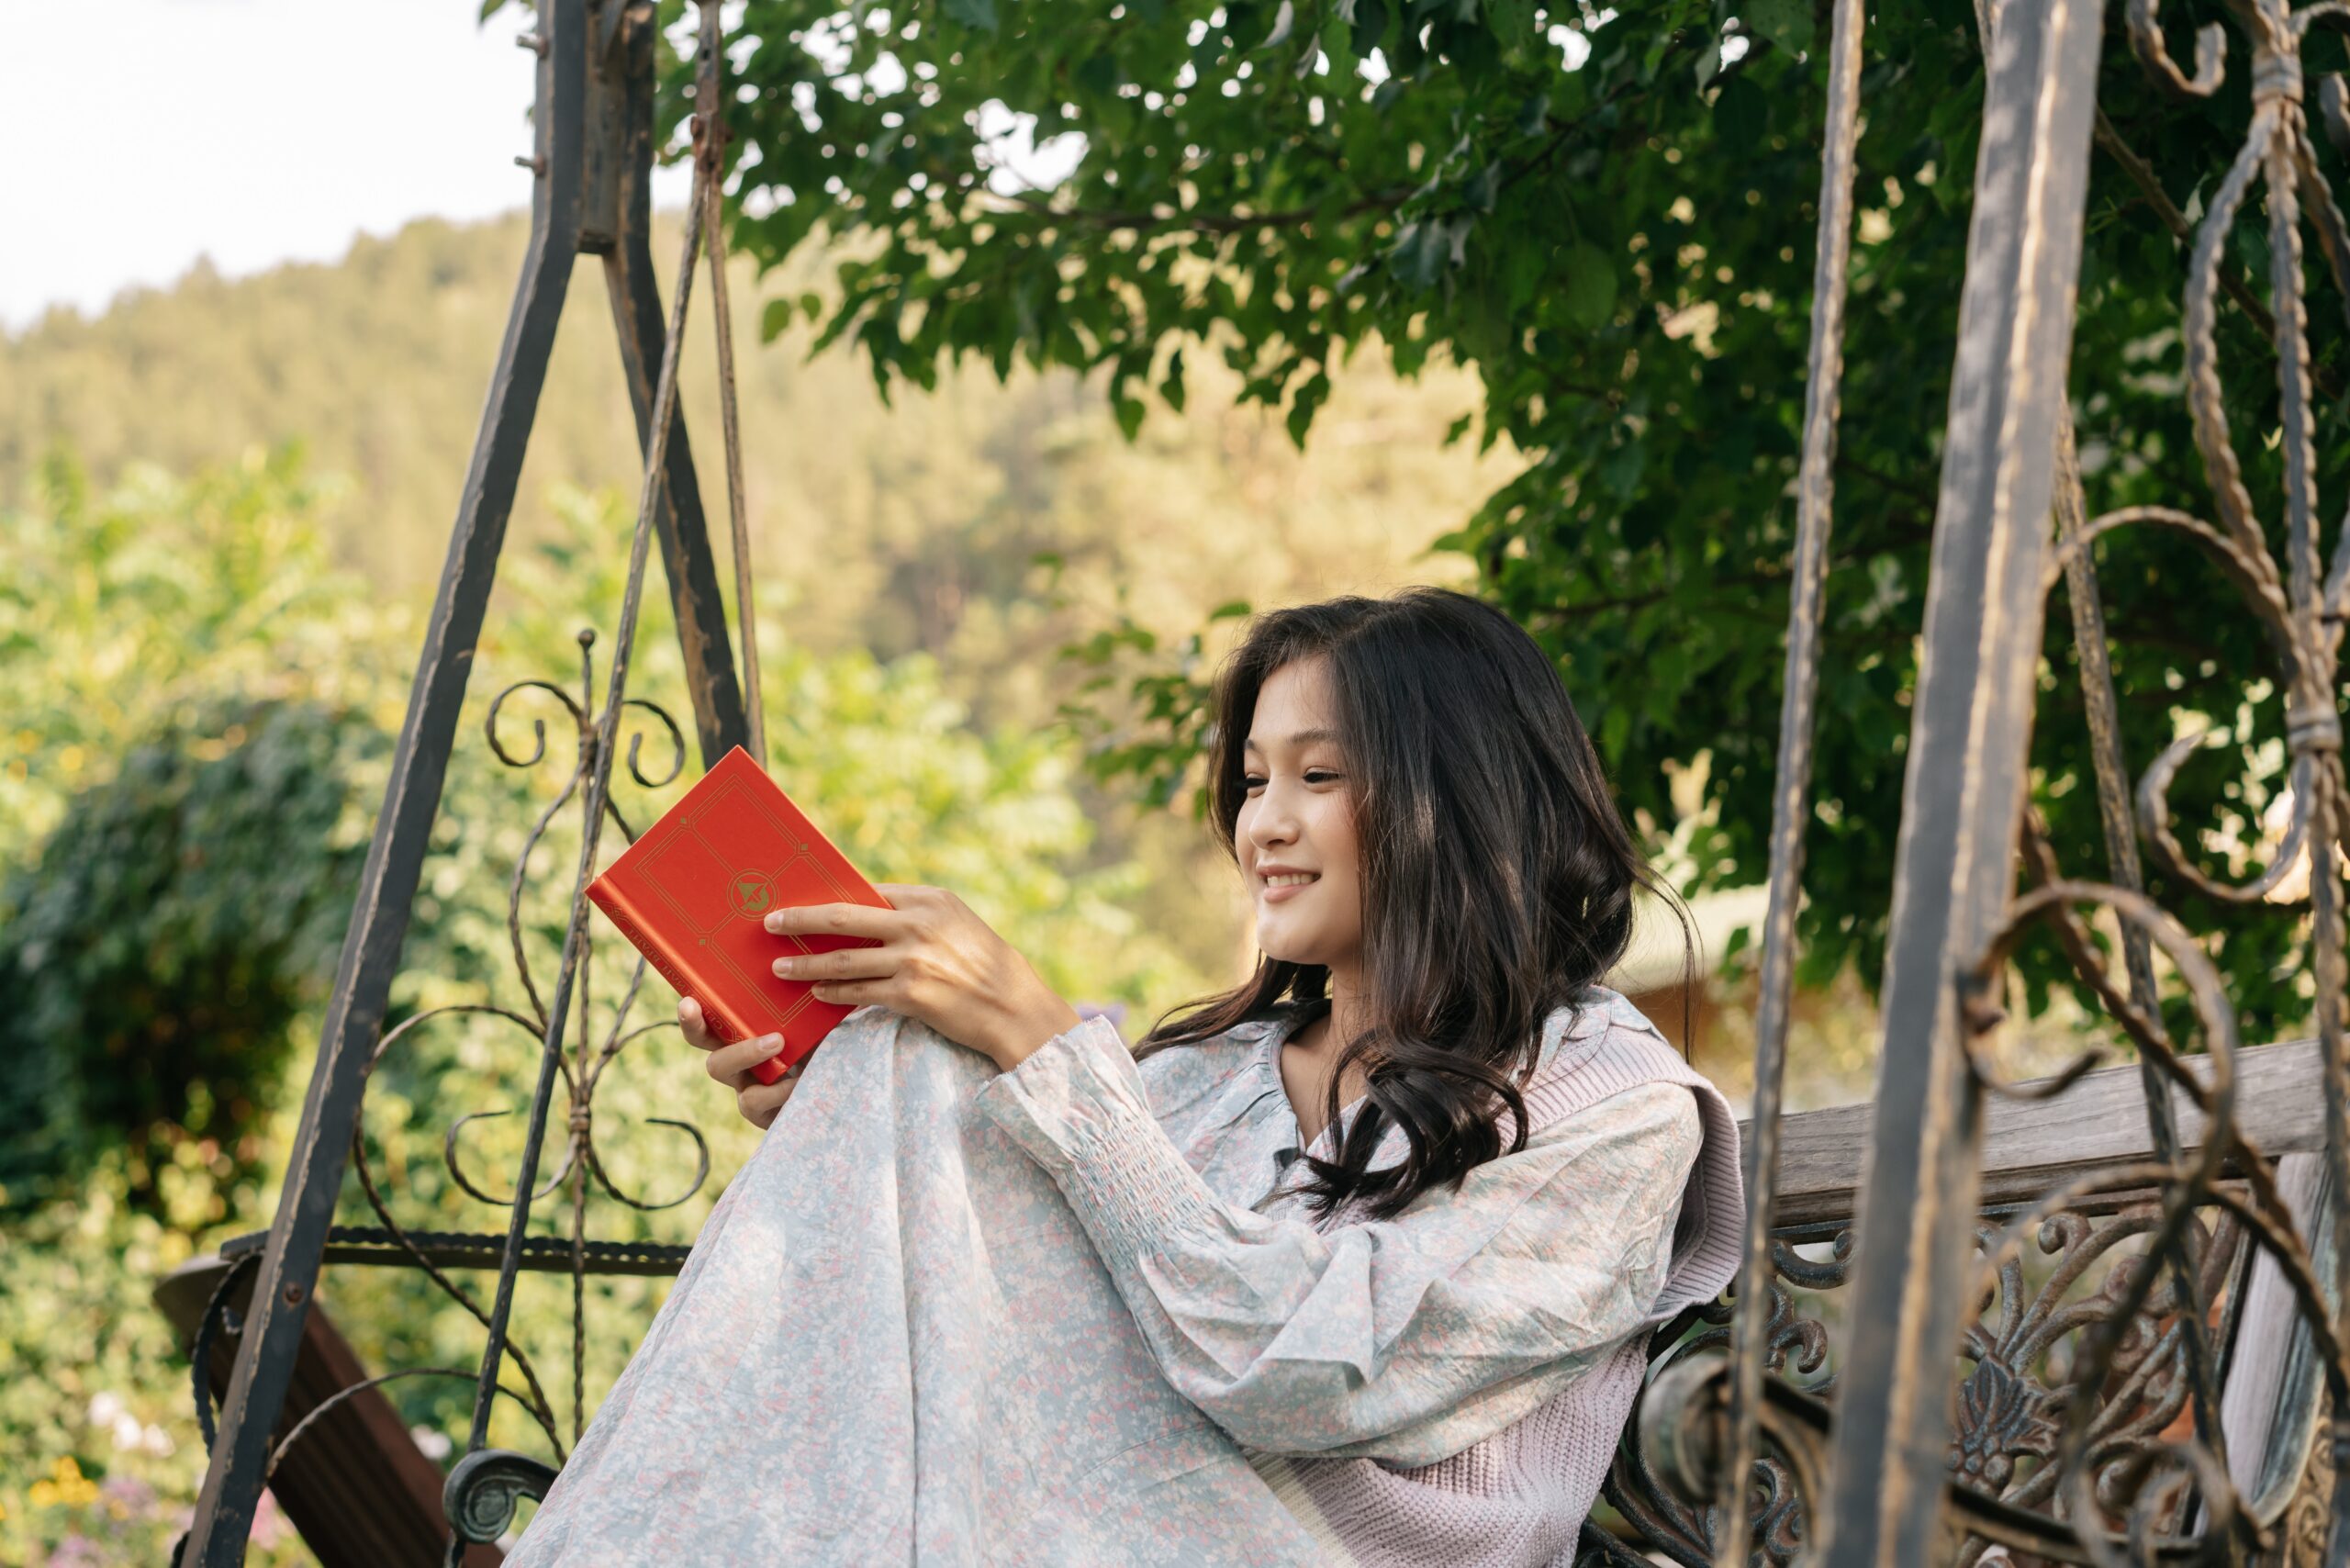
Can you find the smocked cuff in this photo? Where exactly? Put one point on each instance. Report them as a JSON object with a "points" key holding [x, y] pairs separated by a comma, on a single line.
{"points": [[1076, 1107]]}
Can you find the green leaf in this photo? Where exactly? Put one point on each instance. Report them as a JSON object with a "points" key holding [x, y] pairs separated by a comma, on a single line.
{"points": [[1786, 23], [1534, 113], [1308, 397], [1100, 75], [977, 14], [1512, 20], [1590, 286], [1620, 473], [1742, 113], [1419, 253], [1522, 267], [1284, 24], [1481, 189]]}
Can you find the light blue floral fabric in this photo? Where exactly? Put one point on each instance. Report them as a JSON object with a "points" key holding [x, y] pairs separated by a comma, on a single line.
{"points": [[947, 1316]]}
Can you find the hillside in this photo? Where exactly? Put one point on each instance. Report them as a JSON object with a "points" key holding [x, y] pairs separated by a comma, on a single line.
{"points": [[912, 525]]}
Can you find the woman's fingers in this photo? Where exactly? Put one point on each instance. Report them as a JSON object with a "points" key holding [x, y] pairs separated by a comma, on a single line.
{"points": [[836, 920], [841, 963], [760, 1101], [731, 1065]]}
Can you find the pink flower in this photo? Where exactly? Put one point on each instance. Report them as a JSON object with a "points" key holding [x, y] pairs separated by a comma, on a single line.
{"points": [[270, 1525]]}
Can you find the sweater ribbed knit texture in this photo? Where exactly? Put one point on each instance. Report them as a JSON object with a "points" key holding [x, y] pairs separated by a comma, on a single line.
{"points": [[1521, 1495]]}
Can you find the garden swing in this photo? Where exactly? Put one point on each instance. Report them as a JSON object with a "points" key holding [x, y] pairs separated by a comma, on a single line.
{"points": [[2197, 1431]]}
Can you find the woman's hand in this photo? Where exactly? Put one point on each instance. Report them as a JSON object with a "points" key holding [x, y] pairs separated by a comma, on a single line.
{"points": [[731, 1065], [937, 962]]}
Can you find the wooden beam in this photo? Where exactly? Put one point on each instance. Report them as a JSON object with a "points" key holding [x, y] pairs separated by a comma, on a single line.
{"points": [[2029, 1146], [356, 1486]]}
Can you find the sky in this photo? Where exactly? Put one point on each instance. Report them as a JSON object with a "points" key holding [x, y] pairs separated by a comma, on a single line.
{"points": [[144, 134]]}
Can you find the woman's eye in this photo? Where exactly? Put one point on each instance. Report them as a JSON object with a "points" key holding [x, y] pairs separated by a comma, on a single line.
{"points": [[1320, 775], [1255, 781]]}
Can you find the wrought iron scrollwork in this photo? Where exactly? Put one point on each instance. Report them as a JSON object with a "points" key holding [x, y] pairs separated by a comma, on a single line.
{"points": [[579, 1073], [492, 1486], [2101, 1458], [2086, 1424], [485, 1487], [2012, 1398], [1664, 1480]]}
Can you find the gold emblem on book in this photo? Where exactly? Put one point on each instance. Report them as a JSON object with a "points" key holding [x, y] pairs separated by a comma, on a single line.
{"points": [[752, 894]]}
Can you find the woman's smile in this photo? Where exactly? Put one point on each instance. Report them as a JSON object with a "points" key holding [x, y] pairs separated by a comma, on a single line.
{"points": [[1278, 886]]}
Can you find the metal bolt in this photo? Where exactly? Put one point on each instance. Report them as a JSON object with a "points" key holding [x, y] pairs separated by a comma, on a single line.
{"points": [[294, 1294], [536, 44], [535, 163]]}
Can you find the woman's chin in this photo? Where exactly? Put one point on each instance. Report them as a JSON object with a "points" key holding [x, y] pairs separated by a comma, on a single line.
{"points": [[1290, 952]]}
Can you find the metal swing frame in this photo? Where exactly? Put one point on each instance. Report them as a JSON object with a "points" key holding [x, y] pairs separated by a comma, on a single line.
{"points": [[592, 166]]}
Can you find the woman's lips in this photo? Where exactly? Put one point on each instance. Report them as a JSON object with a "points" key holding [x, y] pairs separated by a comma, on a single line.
{"points": [[1276, 895]]}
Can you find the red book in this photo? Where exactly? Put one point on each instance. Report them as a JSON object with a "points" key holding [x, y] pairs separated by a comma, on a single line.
{"points": [[693, 892]]}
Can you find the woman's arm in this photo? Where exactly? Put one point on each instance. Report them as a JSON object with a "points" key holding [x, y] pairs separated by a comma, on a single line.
{"points": [[1406, 1339]]}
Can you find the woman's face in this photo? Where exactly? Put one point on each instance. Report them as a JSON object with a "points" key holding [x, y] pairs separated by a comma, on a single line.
{"points": [[1296, 830]]}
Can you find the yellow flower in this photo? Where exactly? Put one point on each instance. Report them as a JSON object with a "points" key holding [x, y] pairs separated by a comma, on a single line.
{"points": [[65, 1485]]}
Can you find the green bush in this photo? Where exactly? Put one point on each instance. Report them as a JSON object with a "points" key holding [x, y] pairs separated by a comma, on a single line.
{"points": [[154, 957]]}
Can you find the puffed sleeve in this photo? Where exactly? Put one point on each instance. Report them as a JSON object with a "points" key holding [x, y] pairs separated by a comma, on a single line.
{"points": [[1404, 1339]]}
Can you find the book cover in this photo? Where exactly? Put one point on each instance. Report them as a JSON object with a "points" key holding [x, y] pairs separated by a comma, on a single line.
{"points": [[692, 892]]}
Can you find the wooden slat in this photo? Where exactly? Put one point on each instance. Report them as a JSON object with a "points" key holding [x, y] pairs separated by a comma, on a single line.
{"points": [[356, 1486], [2268, 1408], [2029, 1146]]}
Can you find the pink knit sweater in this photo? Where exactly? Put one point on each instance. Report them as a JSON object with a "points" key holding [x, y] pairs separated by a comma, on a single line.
{"points": [[1520, 1496]]}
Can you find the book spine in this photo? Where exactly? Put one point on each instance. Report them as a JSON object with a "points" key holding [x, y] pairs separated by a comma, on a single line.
{"points": [[723, 1026]]}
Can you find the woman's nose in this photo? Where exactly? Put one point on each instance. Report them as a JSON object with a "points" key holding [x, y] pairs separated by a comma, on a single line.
{"points": [[1275, 820]]}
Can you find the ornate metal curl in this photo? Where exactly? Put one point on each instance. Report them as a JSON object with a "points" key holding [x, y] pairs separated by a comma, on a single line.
{"points": [[340, 1395], [485, 1488], [218, 1317], [1646, 1486]]}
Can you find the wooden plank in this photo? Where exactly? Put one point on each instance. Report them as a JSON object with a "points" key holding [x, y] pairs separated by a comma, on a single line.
{"points": [[2269, 1410], [2029, 1146], [356, 1486]]}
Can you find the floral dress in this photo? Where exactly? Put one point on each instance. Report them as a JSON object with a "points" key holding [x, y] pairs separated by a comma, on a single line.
{"points": [[1076, 1314]]}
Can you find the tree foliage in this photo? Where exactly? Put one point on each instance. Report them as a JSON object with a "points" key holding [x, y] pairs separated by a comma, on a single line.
{"points": [[185, 913], [1611, 221]]}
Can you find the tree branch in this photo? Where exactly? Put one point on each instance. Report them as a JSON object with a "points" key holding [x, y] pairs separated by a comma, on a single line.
{"points": [[1207, 222]]}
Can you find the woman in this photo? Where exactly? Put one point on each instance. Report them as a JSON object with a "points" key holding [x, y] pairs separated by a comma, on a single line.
{"points": [[1353, 1264]]}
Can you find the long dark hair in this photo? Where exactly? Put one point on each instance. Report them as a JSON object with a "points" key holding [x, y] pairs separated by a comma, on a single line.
{"points": [[1497, 875]]}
